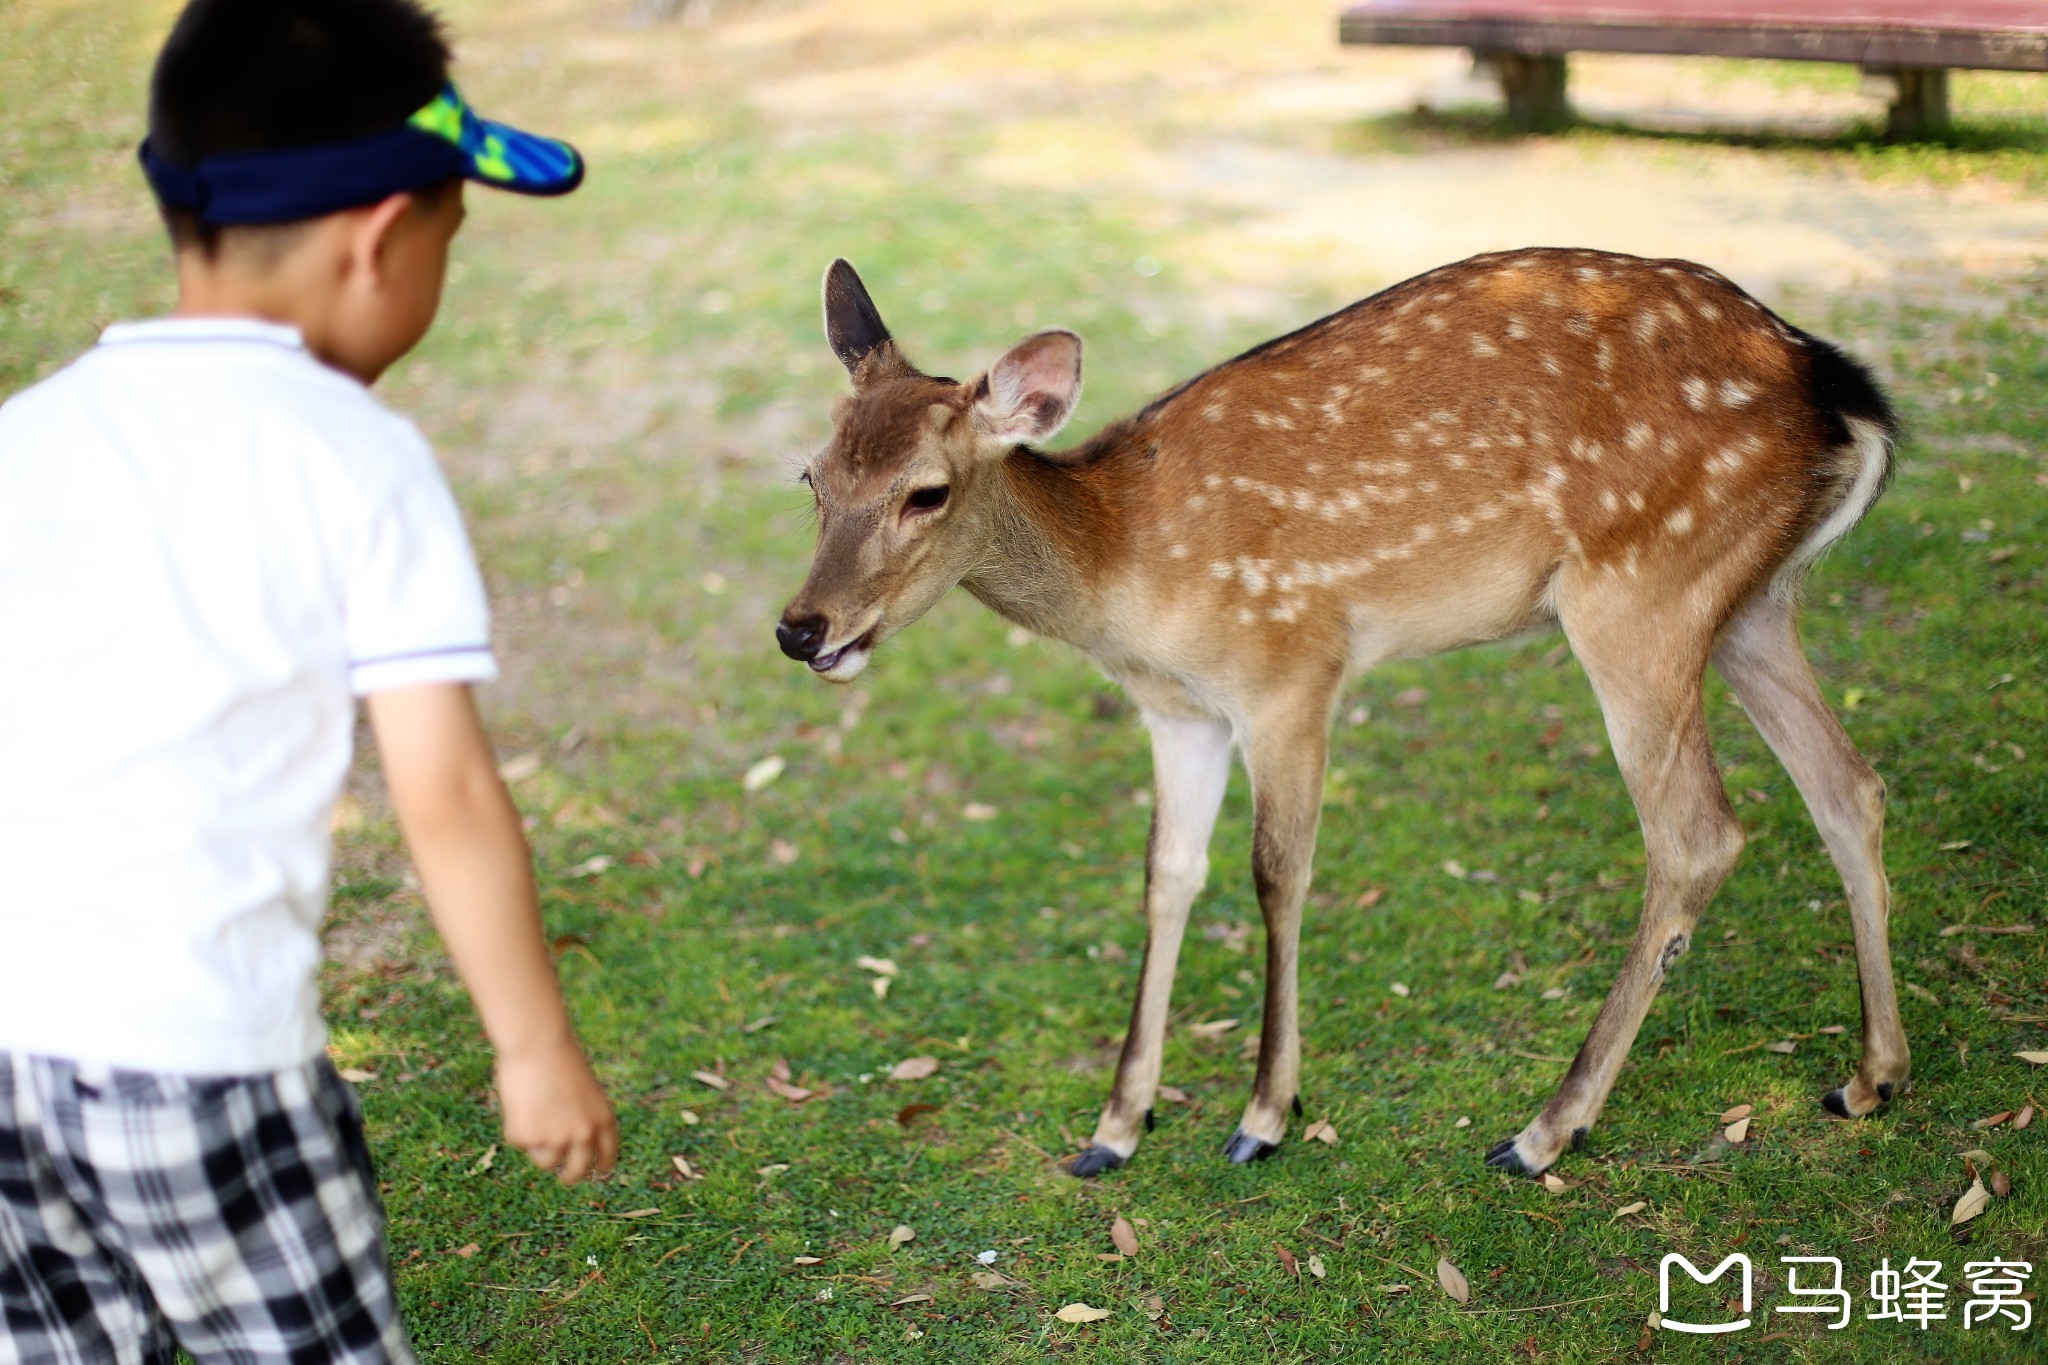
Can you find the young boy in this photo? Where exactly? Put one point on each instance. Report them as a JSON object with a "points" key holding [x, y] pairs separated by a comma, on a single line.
{"points": [[211, 537]]}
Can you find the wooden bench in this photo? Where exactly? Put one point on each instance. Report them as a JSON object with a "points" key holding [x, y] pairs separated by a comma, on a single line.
{"points": [[1907, 47]]}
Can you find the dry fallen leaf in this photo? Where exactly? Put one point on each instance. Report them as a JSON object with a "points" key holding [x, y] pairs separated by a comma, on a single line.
{"points": [[764, 772], [1993, 1120], [486, 1161], [1556, 993], [689, 1117], [1737, 1131], [685, 1169], [1740, 1111], [1174, 1093], [988, 1279], [1553, 1183], [2025, 1117], [913, 1068], [1787, 1047], [1124, 1236], [1464, 1121], [1316, 1267], [355, 1075], [467, 1251], [1081, 1312], [2037, 1058], [908, 1114], [911, 1298], [765, 1021], [1371, 896], [518, 768], [1287, 1261], [1214, 1028], [782, 851], [1453, 1280], [1399, 988], [1153, 1307], [795, 1094], [1626, 1209], [903, 1233], [1323, 1131], [1506, 980], [1971, 1204], [880, 986], [880, 966], [712, 1079], [807, 1260], [978, 813], [771, 1170], [2001, 1184], [640, 1213], [1394, 1288]]}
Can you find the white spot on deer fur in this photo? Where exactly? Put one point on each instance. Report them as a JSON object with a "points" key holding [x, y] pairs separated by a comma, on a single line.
{"points": [[1221, 569], [1197, 503], [1635, 502], [1177, 551], [1679, 522], [1480, 443], [1610, 501], [1423, 534], [1244, 614], [1482, 347], [1390, 332], [1639, 435], [1443, 416], [1435, 322], [1517, 329], [1736, 395], [1628, 564], [1709, 312], [1461, 525], [1587, 272], [1603, 354], [1552, 299], [1490, 512], [1578, 324], [1457, 461], [1550, 364], [1215, 412], [1402, 438], [1695, 389], [1556, 475], [1646, 326], [1427, 486], [1212, 481]]}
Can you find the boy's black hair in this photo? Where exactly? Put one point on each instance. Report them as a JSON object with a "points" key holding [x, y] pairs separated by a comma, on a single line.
{"points": [[261, 75]]}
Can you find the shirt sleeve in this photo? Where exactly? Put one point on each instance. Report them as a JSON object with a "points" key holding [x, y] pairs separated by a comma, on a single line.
{"points": [[415, 607]]}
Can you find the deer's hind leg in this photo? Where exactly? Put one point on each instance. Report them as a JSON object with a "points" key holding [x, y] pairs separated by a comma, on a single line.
{"points": [[1759, 655], [1646, 660]]}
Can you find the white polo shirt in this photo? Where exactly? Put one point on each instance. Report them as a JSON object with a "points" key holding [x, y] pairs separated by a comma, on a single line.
{"points": [[210, 543]]}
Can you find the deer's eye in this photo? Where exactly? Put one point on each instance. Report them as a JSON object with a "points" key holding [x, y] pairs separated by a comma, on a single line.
{"points": [[804, 477], [927, 499]]}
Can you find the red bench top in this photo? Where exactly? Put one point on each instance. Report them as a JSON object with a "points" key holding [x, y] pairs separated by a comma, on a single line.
{"points": [[2002, 34]]}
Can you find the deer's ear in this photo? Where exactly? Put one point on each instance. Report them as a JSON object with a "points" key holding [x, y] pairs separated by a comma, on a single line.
{"points": [[1030, 393], [853, 325]]}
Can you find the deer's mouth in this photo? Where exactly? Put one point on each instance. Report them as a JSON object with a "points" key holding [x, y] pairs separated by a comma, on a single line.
{"points": [[845, 663]]}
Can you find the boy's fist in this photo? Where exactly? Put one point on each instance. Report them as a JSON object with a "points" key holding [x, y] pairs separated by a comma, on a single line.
{"points": [[556, 1112]]}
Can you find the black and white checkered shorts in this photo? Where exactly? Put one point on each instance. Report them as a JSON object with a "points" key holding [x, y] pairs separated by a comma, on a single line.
{"points": [[236, 1217]]}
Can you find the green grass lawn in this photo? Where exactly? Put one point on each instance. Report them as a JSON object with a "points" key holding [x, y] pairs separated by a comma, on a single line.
{"points": [[622, 384]]}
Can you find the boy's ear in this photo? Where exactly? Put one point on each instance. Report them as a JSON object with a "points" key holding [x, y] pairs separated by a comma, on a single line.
{"points": [[1029, 394], [853, 325], [371, 234]]}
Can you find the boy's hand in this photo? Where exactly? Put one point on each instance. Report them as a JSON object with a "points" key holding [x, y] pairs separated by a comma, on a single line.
{"points": [[472, 858], [556, 1112]]}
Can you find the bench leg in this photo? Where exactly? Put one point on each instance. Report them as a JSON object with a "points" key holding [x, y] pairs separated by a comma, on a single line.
{"points": [[1533, 86], [1919, 99]]}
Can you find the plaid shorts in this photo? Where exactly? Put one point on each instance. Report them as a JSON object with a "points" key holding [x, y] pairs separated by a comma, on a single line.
{"points": [[236, 1217]]}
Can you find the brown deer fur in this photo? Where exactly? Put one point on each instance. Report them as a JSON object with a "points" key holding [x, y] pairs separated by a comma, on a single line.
{"points": [[1633, 450]]}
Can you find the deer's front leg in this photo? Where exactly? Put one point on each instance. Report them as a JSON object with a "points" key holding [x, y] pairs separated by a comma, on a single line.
{"points": [[1190, 767], [1285, 754]]}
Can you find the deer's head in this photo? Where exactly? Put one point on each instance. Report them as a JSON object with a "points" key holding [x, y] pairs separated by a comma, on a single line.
{"points": [[903, 486]]}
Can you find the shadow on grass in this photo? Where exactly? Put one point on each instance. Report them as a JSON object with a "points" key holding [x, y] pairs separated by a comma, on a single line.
{"points": [[2012, 149]]}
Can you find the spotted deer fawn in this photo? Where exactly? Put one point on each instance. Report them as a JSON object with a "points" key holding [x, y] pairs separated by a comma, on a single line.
{"points": [[1635, 451]]}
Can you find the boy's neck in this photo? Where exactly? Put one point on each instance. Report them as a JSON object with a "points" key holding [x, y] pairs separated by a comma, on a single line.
{"points": [[283, 291]]}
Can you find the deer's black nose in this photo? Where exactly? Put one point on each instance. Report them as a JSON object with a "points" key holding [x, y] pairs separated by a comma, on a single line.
{"points": [[801, 638]]}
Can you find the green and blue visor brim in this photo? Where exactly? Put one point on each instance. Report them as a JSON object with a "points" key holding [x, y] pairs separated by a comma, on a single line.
{"points": [[443, 141]]}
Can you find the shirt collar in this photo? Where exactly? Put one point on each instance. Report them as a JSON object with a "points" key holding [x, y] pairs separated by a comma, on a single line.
{"points": [[204, 329]]}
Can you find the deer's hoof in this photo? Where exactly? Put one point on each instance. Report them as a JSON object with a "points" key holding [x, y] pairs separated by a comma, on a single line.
{"points": [[1857, 1099], [1243, 1147], [1094, 1162], [1504, 1157]]}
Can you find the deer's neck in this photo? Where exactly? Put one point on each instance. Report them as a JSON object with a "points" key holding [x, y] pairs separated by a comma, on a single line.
{"points": [[1057, 530]]}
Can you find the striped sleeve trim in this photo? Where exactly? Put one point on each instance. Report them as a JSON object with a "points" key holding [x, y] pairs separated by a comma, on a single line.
{"points": [[454, 663]]}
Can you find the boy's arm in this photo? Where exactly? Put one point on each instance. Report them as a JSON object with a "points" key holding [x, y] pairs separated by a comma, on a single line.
{"points": [[466, 842]]}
